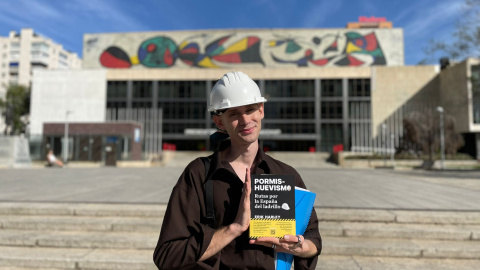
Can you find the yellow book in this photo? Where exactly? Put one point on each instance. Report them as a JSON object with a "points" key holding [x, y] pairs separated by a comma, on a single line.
{"points": [[272, 205]]}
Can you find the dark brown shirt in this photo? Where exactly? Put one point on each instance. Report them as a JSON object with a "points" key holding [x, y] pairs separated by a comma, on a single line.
{"points": [[186, 234]]}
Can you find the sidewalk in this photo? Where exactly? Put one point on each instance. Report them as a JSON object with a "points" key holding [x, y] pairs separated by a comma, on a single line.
{"points": [[337, 188], [109, 218]]}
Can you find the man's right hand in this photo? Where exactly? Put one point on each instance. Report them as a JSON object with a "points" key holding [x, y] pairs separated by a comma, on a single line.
{"points": [[242, 221], [225, 235]]}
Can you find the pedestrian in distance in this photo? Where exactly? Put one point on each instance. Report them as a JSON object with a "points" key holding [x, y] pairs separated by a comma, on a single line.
{"points": [[52, 160], [205, 231]]}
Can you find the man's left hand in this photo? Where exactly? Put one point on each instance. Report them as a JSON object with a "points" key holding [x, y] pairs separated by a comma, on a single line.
{"points": [[293, 244]]}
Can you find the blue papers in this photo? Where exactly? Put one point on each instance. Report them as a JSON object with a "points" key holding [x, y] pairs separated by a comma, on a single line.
{"points": [[304, 200]]}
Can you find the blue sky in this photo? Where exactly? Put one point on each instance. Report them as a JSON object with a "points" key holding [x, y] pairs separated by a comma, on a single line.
{"points": [[65, 21]]}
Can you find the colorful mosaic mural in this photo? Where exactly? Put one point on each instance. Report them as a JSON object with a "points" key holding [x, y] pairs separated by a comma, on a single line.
{"points": [[341, 48]]}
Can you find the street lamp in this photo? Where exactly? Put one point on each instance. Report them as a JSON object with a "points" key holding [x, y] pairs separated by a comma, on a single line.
{"points": [[442, 136], [384, 139], [65, 140]]}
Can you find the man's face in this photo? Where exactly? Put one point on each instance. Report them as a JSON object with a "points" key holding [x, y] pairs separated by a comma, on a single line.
{"points": [[243, 123]]}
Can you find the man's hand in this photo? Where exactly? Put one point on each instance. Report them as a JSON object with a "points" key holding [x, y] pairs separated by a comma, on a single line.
{"points": [[225, 235], [242, 221], [293, 244]]}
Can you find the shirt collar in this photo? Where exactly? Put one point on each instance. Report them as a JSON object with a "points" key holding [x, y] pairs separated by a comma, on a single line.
{"points": [[262, 161]]}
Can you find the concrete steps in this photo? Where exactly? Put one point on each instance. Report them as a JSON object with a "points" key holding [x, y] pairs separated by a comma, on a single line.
{"points": [[123, 236]]}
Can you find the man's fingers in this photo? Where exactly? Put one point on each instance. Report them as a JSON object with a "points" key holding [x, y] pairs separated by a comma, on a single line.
{"points": [[248, 180]]}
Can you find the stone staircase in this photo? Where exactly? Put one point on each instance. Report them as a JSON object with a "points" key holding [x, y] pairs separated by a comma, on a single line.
{"points": [[122, 236]]}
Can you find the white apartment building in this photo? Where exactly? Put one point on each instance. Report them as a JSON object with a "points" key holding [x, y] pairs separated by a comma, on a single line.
{"points": [[21, 53]]}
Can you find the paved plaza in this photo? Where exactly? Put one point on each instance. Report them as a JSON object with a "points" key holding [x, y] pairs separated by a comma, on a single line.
{"points": [[335, 188], [109, 218]]}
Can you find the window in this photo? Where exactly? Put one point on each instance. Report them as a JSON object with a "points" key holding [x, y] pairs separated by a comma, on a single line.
{"points": [[180, 127], [40, 46], [39, 65], [182, 89], [63, 56], [290, 88], [332, 134], [116, 104], [142, 89], [292, 128], [331, 88], [117, 90], [332, 110], [359, 109], [40, 50], [14, 55], [183, 110], [359, 88], [290, 110], [14, 46]]}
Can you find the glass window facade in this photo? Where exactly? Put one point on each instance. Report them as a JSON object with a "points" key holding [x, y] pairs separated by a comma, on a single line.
{"points": [[332, 109], [117, 89], [307, 114], [290, 107], [181, 89], [182, 100], [116, 94], [142, 93], [359, 87], [293, 88], [331, 134], [290, 110], [331, 88], [142, 89], [359, 110]]}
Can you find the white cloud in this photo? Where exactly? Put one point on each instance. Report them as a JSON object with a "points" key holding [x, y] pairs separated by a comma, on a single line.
{"points": [[113, 14], [42, 9], [432, 19]]}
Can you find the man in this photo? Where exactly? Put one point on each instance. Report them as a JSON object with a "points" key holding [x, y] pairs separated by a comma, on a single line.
{"points": [[189, 239], [52, 159]]}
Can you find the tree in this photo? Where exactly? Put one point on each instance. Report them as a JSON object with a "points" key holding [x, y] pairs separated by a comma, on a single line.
{"points": [[15, 106], [422, 134], [465, 41]]}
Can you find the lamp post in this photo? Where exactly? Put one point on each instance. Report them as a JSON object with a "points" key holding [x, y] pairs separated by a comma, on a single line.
{"points": [[442, 136], [392, 154], [384, 139], [65, 140]]}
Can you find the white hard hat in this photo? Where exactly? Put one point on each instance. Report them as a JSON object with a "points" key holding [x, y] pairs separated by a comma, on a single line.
{"points": [[234, 89]]}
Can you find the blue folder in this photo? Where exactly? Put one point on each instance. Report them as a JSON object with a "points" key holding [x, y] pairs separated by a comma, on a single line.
{"points": [[304, 200]]}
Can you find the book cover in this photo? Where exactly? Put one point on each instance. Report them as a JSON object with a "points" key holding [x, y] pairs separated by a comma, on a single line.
{"points": [[304, 201], [272, 204]]}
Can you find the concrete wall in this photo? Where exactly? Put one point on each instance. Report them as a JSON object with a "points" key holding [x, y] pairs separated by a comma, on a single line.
{"points": [[393, 87], [456, 95], [240, 48], [472, 126], [83, 92], [254, 73]]}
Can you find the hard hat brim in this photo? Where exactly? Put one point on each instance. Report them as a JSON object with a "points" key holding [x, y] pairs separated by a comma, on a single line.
{"points": [[257, 100]]}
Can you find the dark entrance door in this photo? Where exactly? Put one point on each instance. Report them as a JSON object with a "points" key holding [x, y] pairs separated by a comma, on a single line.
{"points": [[111, 151]]}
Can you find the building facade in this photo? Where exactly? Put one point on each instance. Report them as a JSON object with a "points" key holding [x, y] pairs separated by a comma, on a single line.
{"points": [[23, 52], [309, 76], [325, 87]]}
